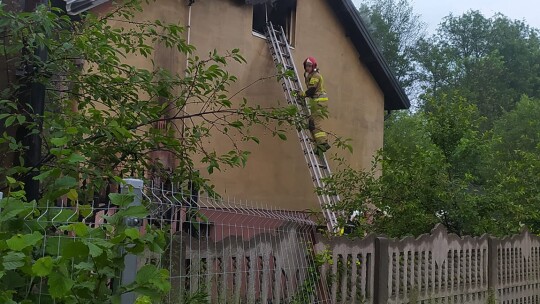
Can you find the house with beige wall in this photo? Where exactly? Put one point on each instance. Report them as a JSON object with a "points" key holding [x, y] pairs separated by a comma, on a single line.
{"points": [[359, 83]]}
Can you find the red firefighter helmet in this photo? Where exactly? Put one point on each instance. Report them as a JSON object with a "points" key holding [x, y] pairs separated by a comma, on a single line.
{"points": [[312, 61]]}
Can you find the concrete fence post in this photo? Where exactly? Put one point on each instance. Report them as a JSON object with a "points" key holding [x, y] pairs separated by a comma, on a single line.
{"points": [[134, 186], [493, 266], [382, 265]]}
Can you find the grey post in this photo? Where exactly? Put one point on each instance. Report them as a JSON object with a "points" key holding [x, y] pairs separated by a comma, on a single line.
{"points": [[1, 195], [130, 260], [381, 271], [493, 265]]}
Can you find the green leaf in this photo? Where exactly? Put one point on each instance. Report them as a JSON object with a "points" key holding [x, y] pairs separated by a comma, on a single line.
{"points": [[143, 300], [75, 158], [80, 229], [72, 130], [121, 199], [21, 119], [236, 124], [74, 249], [59, 142], [85, 210], [107, 271], [90, 286], [84, 266], [132, 233], [45, 174], [146, 273], [9, 121], [59, 285], [94, 250], [43, 266], [4, 299], [16, 280], [137, 249], [130, 212], [13, 260], [282, 136], [22, 241], [149, 274], [72, 195], [102, 243], [66, 182], [133, 211], [12, 207], [54, 244]]}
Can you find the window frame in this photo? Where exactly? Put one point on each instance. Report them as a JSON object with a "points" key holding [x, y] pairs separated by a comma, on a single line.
{"points": [[289, 27]]}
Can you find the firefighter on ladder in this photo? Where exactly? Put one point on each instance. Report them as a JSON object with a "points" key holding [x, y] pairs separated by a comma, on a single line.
{"points": [[317, 102]]}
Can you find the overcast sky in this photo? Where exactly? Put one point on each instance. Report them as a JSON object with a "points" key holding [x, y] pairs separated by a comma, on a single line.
{"points": [[432, 11]]}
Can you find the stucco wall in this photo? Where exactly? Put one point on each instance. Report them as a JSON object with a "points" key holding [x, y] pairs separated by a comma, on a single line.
{"points": [[276, 173]]}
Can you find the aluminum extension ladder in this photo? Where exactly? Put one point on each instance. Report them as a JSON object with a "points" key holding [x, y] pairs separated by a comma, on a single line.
{"points": [[318, 165]]}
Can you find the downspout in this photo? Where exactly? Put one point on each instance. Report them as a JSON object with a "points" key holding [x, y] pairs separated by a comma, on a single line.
{"points": [[189, 30], [188, 41], [193, 188]]}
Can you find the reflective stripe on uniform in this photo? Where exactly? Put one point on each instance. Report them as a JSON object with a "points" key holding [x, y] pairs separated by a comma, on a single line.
{"points": [[313, 80], [319, 134]]}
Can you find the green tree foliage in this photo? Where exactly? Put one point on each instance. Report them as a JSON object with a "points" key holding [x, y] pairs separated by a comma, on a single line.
{"points": [[514, 166], [396, 29], [408, 157], [491, 61], [429, 173], [468, 157], [438, 166], [104, 119]]}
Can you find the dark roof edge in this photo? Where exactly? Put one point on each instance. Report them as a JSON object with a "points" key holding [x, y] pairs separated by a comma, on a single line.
{"points": [[394, 95]]}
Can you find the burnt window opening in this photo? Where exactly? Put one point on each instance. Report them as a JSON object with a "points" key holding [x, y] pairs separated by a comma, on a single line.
{"points": [[282, 13]]}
